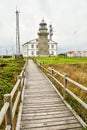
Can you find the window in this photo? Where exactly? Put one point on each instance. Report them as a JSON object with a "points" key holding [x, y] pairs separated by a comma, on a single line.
{"points": [[36, 46], [37, 52], [32, 53], [32, 45], [52, 46], [52, 53]]}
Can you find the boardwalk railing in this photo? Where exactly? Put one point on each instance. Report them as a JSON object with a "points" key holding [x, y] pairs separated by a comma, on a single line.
{"points": [[53, 74], [12, 102]]}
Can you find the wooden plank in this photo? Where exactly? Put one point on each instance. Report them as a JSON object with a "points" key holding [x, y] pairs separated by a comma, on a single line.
{"points": [[43, 105], [40, 96], [55, 126], [50, 128], [62, 115], [50, 123], [45, 108], [66, 127], [3, 111], [48, 120], [45, 111], [8, 127], [42, 102]]}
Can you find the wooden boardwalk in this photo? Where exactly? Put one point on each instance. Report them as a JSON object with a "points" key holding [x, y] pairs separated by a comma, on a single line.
{"points": [[42, 107]]}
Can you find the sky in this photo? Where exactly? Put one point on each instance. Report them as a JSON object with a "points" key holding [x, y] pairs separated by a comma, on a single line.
{"points": [[68, 18]]}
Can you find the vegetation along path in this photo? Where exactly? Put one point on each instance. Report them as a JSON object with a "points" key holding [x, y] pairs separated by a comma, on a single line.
{"points": [[43, 109]]}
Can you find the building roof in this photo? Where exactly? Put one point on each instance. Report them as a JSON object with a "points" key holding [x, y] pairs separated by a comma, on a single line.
{"points": [[36, 40], [33, 41], [52, 42], [43, 23], [70, 52]]}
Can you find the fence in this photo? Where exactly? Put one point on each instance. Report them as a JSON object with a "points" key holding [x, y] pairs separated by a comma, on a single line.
{"points": [[52, 73], [12, 103]]}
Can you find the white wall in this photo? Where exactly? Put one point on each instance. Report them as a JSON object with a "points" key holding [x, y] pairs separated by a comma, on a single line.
{"points": [[27, 49], [78, 54]]}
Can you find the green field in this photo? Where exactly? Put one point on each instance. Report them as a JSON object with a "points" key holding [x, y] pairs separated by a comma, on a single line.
{"points": [[9, 69], [62, 60]]}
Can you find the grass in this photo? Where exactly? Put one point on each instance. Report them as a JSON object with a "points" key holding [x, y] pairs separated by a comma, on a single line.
{"points": [[62, 60], [75, 68], [9, 69]]}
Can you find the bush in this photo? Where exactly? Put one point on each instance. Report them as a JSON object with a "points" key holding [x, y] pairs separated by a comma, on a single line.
{"points": [[9, 69]]}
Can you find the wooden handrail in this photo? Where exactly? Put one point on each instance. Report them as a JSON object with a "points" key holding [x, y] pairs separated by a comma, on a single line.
{"points": [[15, 104], [77, 84], [15, 88], [8, 110], [3, 112], [71, 93], [70, 80]]}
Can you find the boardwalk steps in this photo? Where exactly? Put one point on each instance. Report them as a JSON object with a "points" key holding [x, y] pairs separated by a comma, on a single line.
{"points": [[43, 109]]}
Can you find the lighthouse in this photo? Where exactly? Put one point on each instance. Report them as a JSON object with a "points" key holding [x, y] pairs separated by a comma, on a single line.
{"points": [[43, 45], [43, 49]]}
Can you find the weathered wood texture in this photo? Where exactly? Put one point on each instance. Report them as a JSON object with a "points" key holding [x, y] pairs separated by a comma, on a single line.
{"points": [[42, 107]]}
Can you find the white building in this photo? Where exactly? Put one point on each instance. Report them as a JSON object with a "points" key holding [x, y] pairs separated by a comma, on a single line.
{"points": [[31, 48], [77, 54]]}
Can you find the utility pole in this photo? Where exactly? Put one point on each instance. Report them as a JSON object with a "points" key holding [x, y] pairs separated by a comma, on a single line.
{"points": [[17, 34]]}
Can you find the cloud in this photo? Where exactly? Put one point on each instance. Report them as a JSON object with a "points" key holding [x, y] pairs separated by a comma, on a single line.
{"points": [[44, 6]]}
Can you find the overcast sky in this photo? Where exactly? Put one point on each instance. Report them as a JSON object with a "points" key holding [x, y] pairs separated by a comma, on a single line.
{"points": [[68, 17]]}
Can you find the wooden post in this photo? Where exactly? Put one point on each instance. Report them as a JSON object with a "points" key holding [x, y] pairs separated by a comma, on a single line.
{"points": [[65, 86], [23, 76], [27, 60], [40, 66], [8, 116], [26, 73], [52, 73], [43, 66], [20, 87]]}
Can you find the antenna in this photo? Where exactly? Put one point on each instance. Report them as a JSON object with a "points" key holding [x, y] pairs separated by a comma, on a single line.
{"points": [[17, 33], [50, 31]]}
